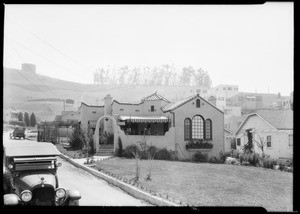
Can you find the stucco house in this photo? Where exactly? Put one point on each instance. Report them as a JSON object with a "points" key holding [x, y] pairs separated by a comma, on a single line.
{"points": [[272, 127], [163, 123]]}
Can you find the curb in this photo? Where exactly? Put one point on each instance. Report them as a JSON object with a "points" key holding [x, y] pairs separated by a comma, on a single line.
{"points": [[134, 191]]}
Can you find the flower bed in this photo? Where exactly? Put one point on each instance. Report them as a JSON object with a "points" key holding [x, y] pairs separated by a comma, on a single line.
{"points": [[199, 144]]}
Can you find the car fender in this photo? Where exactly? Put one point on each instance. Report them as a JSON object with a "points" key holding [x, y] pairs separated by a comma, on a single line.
{"points": [[11, 199], [73, 194]]}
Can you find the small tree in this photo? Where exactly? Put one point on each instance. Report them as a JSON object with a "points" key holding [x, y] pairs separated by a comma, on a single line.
{"points": [[20, 116], [26, 119], [150, 152], [120, 147], [261, 145], [32, 120], [77, 139], [136, 154], [248, 147]]}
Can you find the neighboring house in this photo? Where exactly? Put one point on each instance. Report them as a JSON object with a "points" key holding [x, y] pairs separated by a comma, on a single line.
{"points": [[69, 116], [227, 140], [10, 115], [274, 127], [161, 122]]}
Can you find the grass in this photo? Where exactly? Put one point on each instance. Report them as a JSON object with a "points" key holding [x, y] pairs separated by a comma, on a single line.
{"points": [[204, 184]]}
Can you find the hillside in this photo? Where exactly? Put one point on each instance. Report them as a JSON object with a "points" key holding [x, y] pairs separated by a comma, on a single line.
{"points": [[21, 88]]}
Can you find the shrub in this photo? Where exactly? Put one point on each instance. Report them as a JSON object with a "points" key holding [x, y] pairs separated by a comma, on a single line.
{"points": [[231, 160], [77, 139], [200, 157], [163, 154], [91, 150], [224, 155], [269, 163], [120, 147], [129, 149], [252, 158]]}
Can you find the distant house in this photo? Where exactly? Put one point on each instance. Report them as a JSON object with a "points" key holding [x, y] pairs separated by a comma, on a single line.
{"points": [[69, 116], [273, 127], [164, 124]]}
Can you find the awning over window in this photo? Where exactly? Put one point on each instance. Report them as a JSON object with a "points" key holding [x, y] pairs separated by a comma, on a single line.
{"points": [[145, 119]]}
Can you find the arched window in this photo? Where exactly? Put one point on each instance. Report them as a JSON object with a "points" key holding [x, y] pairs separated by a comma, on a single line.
{"points": [[198, 127], [208, 129], [198, 103], [187, 128]]}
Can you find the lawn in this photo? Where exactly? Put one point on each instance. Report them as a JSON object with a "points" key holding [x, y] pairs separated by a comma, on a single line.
{"points": [[207, 184]]}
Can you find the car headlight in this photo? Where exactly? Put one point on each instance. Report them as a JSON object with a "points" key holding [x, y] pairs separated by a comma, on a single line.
{"points": [[60, 192], [26, 195]]}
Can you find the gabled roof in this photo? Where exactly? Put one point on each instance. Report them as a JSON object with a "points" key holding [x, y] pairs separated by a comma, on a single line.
{"points": [[64, 113], [175, 105], [155, 96], [278, 119]]}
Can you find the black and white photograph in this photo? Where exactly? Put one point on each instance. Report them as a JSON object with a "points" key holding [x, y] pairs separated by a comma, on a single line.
{"points": [[149, 105]]}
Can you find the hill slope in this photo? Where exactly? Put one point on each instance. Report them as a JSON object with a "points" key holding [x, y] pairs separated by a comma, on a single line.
{"points": [[21, 87]]}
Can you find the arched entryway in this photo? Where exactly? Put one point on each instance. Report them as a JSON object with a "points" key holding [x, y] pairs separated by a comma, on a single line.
{"points": [[96, 135]]}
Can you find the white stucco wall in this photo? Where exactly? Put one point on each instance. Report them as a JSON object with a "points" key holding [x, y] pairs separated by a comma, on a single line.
{"points": [[207, 111], [166, 141], [86, 114]]}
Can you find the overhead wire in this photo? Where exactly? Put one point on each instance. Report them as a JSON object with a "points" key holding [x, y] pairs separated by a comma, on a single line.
{"points": [[38, 37], [43, 57], [36, 75]]}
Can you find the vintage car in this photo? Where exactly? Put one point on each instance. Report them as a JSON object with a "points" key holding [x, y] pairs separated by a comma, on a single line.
{"points": [[19, 131], [30, 176]]}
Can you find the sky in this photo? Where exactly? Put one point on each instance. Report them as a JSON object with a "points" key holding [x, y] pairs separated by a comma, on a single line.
{"points": [[246, 45]]}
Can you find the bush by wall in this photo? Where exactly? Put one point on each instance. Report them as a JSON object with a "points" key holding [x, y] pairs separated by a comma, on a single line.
{"points": [[200, 157]]}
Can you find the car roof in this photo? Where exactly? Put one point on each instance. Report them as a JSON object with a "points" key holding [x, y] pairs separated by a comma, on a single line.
{"points": [[29, 149]]}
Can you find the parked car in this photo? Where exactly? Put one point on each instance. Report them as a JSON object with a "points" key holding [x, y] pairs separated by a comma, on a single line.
{"points": [[30, 176], [19, 131]]}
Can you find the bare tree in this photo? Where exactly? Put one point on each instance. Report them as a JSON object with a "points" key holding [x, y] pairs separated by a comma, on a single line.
{"points": [[261, 144]]}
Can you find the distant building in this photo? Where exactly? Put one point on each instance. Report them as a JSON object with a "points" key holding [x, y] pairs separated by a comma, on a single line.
{"points": [[253, 101], [222, 93], [10, 115]]}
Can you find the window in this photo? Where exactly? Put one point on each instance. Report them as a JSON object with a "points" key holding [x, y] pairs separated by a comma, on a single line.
{"points": [[208, 129], [94, 112], [238, 141], [137, 110], [224, 88], [152, 108], [230, 88], [187, 128], [221, 98], [197, 127], [269, 144], [290, 140], [121, 109], [198, 103]]}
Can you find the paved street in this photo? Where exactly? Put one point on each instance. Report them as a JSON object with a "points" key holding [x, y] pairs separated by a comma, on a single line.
{"points": [[94, 191]]}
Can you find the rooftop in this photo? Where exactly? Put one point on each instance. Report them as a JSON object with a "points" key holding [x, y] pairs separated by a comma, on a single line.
{"points": [[280, 119]]}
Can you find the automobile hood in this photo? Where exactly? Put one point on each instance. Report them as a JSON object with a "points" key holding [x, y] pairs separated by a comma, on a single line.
{"points": [[37, 179]]}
